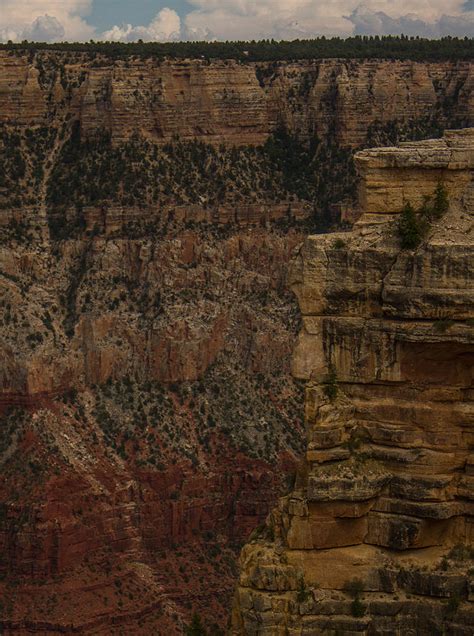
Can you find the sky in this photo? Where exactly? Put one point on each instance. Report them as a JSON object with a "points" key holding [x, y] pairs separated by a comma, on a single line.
{"points": [[172, 20]]}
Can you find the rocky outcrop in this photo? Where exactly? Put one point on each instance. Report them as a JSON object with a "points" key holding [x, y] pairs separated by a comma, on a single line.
{"points": [[225, 101], [384, 186], [377, 536]]}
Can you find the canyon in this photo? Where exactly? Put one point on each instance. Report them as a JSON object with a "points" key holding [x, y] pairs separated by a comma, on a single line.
{"points": [[376, 537], [150, 417], [224, 101]]}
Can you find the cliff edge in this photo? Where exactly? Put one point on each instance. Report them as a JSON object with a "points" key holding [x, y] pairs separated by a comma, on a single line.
{"points": [[377, 535]]}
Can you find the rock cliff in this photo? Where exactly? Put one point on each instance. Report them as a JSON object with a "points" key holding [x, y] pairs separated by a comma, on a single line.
{"points": [[377, 535], [148, 416], [227, 101], [143, 412]]}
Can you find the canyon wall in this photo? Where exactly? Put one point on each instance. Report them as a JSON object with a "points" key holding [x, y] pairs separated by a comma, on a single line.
{"points": [[143, 414], [224, 101], [377, 536], [149, 419]]}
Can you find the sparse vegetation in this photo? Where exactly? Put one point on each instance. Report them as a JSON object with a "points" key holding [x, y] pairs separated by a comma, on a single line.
{"points": [[414, 225], [354, 588], [22, 156], [139, 174], [339, 244], [412, 228], [139, 421], [303, 593], [443, 325], [395, 131], [196, 627], [461, 553]]}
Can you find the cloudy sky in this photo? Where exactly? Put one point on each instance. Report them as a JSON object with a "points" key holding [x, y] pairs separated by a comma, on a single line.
{"points": [[169, 20]]}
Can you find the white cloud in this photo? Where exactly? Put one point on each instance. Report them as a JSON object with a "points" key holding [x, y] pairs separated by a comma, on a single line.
{"points": [[243, 19], [368, 22], [45, 20], [165, 27], [44, 29], [248, 19], [461, 26]]}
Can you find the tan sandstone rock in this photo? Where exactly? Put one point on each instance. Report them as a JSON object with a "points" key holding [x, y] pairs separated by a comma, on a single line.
{"points": [[387, 351]]}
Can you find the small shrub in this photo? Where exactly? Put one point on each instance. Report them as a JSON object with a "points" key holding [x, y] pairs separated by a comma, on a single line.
{"points": [[354, 588], [461, 552], [357, 608], [303, 593], [196, 628], [339, 244], [442, 326], [413, 224]]}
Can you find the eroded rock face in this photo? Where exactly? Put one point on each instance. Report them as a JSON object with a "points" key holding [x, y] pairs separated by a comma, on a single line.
{"points": [[146, 346], [121, 390], [226, 101], [387, 353], [384, 187]]}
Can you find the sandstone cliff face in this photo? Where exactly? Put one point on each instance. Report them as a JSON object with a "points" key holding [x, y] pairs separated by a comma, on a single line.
{"points": [[148, 416], [226, 101], [364, 544], [384, 188]]}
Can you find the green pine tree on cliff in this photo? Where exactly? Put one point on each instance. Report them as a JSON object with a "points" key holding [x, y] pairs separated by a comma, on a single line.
{"points": [[196, 628], [409, 228]]}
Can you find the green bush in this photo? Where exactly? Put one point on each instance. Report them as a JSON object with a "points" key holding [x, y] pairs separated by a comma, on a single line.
{"points": [[442, 326], [196, 628], [357, 608], [461, 552], [413, 225], [339, 244], [354, 587], [303, 593], [411, 228]]}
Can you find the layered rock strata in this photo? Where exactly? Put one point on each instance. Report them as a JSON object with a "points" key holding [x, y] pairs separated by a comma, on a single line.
{"points": [[225, 101], [377, 536], [147, 414], [137, 387]]}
